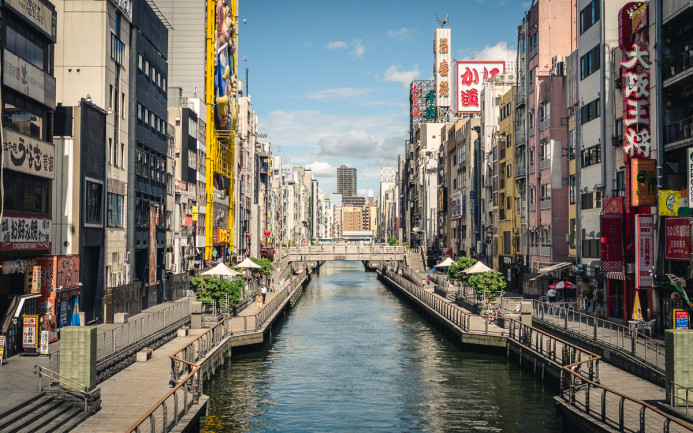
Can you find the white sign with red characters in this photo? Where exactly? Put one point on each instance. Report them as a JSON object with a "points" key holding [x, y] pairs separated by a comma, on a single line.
{"points": [[441, 67], [644, 251], [471, 77]]}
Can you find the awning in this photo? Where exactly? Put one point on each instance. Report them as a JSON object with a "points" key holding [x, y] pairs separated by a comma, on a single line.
{"points": [[616, 276], [556, 267]]}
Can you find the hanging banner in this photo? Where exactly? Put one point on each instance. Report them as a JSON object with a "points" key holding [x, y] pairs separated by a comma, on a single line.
{"points": [[612, 242], [677, 238], [644, 182], [669, 202], [644, 250]]}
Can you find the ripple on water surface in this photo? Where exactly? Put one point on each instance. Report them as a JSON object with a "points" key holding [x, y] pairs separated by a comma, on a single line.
{"points": [[352, 356]]}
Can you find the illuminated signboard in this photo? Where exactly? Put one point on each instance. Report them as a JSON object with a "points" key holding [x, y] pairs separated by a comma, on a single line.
{"points": [[471, 77], [422, 102]]}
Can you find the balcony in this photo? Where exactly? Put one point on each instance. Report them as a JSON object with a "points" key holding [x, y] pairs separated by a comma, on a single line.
{"points": [[681, 130], [545, 203], [545, 123], [677, 64], [501, 154], [544, 164], [545, 251], [531, 169], [520, 137], [531, 131], [520, 171], [501, 214], [520, 98], [533, 251]]}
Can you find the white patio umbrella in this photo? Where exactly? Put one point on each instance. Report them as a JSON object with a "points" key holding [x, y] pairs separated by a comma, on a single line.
{"points": [[478, 268], [249, 264], [221, 270], [445, 263]]}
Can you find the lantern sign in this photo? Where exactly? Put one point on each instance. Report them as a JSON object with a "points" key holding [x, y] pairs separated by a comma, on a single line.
{"points": [[471, 77], [267, 233], [441, 66]]}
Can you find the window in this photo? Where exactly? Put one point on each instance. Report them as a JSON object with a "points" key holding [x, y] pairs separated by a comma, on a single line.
{"points": [[163, 84], [122, 105], [114, 214], [138, 161], [122, 155], [531, 120], [620, 189], [545, 151], [589, 15], [533, 40], [589, 63], [531, 194], [573, 225], [591, 200], [590, 111], [139, 61], [93, 201], [591, 248], [545, 192], [27, 194], [110, 151], [192, 127], [146, 68], [24, 117], [592, 155], [110, 96], [139, 112], [26, 44], [572, 189], [117, 49]]}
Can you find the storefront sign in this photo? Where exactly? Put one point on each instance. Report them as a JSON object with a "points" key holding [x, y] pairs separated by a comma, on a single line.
{"points": [[38, 12], [644, 247], [681, 319], [35, 279], [2, 348], [644, 184], [28, 155], [27, 79], [25, 233], [677, 238], [422, 102], [612, 242], [152, 245], [125, 6], [441, 68], [455, 207], [45, 336], [30, 331], [669, 202], [223, 236], [471, 77]]}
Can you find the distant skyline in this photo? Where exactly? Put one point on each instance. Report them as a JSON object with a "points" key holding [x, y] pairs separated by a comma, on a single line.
{"points": [[329, 80]]}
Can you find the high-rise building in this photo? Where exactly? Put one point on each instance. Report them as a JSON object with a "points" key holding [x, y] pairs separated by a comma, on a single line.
{"points": [[346, 181]]}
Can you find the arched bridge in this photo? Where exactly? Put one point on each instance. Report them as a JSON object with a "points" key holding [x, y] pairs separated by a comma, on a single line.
{"points": [[339, 252]]}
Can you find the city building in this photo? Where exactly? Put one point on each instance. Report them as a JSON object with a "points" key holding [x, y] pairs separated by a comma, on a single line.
{"points": [[347, 183]]}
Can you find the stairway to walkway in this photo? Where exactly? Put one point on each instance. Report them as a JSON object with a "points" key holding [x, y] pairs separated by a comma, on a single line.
{"points": [[45, 413], [414, 261]]}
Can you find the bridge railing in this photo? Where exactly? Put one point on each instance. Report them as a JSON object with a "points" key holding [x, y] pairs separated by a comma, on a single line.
{"points": [[344, 252], [612, 335]]}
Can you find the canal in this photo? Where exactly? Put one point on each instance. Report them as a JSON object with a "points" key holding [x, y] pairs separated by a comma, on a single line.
{"points": [[352, 356]]}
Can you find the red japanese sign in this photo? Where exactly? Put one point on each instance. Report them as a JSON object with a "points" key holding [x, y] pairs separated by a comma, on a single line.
{"points": [[612, 242], [644, 247], [637, 139], [677, 238], [25, 233], [471, 77]]}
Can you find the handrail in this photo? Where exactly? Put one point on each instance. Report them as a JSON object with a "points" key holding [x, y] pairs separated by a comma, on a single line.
{"points": [[674, 394], [64, 381], [613, 335]]}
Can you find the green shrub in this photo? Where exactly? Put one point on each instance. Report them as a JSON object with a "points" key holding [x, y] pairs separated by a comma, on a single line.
{"points": [[455, 270]]}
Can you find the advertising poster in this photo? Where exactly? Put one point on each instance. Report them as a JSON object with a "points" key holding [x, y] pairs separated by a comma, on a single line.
{"points": [[45, 337], [677, 238], [30, 331], [681, 319]]}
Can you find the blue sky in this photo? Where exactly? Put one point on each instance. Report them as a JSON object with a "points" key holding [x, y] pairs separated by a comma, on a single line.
{"points": [[329, 79]]}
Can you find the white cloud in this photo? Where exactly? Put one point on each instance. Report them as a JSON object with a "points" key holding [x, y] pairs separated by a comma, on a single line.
{"points": [[402, 34], [358, 48], [360, 144], [308, 44], [405, 77], [334, 45], [321, 168], [337, 93], [500, 51]]}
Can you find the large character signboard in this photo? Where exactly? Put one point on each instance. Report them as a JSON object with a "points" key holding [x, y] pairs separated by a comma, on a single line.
{"points": [[224, 64], [471, 77]]}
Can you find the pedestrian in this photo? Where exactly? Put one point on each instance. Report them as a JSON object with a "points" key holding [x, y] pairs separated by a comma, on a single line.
{"points": [[551, 294], [263, 290], [428, 281]]}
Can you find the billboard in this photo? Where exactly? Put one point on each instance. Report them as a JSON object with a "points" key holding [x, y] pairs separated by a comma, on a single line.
{"points": [[471, 77], [677, 244], [644, 250], [441, 66], [25, 233], [224, 64], [422, 102]]}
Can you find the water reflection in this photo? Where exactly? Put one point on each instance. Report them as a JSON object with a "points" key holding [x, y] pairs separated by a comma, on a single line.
{"points": [[353, 357]]}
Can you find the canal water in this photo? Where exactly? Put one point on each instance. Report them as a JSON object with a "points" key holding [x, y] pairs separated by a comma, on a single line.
{"points": [[352, 356]]}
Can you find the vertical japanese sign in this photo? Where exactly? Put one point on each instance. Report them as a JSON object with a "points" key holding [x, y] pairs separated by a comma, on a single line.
{"points": [[677, 243], [471, 77], [441, 66], [644, 247], [635, 73], [612, 244], [29, 331], [689, 162], [422, 102], [152, 245], [2, 348]]}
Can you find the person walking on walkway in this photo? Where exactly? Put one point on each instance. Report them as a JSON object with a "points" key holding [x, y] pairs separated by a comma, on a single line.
{"points": [[263, 290], [428, 281], [551, 294]]}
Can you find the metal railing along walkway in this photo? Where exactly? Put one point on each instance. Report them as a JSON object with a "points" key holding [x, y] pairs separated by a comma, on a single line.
{"points": [[648, 350]]}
